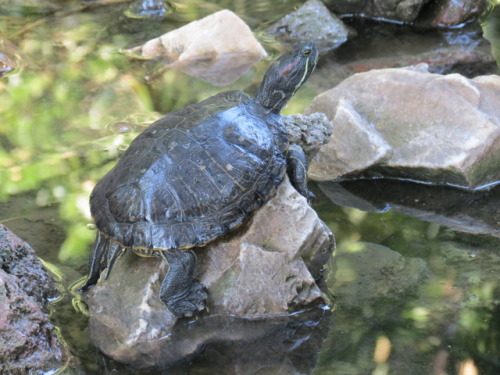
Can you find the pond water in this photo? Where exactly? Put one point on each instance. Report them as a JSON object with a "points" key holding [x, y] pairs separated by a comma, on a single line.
{"points": [[72, 104]]}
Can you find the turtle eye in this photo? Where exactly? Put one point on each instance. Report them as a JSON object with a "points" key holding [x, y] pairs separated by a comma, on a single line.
{"points": [[307, 52]]}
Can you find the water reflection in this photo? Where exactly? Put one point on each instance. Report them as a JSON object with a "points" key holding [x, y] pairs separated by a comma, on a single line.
{"points": [[152, 9], [471, 212]]}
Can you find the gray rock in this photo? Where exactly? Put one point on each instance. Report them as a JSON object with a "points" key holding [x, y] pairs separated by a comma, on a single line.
{"points": [[259, 272], [312, 21], [367, 273], [29, 343], [408, 123]]}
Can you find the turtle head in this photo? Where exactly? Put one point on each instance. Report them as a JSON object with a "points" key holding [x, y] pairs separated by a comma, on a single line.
{"points": [[286, 75]]}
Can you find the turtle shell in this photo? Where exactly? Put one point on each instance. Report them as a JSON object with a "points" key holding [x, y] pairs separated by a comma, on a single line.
{"points": [[193, 175]]}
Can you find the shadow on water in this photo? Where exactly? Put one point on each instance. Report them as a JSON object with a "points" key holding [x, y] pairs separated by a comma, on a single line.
{"points": [[74, 106]]}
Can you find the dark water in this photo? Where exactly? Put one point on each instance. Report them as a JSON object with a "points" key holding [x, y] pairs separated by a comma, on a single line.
{"points": [[71, 104]]}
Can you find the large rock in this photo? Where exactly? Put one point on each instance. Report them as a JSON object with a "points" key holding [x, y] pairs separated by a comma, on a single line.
{"points": [[29, 343], [312, 21], [408, 123], [218, 48], [264, 270]]}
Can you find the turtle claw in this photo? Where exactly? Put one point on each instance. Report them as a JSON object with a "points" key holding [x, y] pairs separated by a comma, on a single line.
{"points": [[189, 304]]}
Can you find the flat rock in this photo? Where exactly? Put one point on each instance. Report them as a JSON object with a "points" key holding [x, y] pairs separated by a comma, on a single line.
{"points": [[29, 343], [265, 270], [404, 123], [218, 48], [312, 21]]}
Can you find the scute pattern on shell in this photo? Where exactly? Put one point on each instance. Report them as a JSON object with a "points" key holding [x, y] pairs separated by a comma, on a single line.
{"points": [[193, 175]]}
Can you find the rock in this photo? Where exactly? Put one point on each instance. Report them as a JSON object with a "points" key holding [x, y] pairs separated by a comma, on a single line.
{"points": [[394, 10], [382, 45], [367, 273], [18, 260], [312, 21], [309, 131], [29, 343], [404, 123], [464, 211], [449, 13], [259, 272], [218, 48]]}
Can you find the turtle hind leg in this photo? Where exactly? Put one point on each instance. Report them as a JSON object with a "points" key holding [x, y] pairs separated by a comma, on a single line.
{"points": [[179, 291], [99, 252], [296, 168]]}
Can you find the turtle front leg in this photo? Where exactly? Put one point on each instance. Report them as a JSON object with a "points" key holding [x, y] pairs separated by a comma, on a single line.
{"points": [[182, 295], [296, 168]]}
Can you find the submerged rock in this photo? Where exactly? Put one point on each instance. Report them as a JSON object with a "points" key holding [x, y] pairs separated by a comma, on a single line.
{"points": [[312, 21], [411, 124], [367, 273], [218, 48], [265, 270], [29, 343]]}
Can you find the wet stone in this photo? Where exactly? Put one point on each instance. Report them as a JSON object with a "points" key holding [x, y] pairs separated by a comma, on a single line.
{"points": [[263, 271], [312, 21], [29, 343]]}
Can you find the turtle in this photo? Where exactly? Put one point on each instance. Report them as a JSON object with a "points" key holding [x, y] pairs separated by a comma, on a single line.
{"points": [[196, 174]]}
